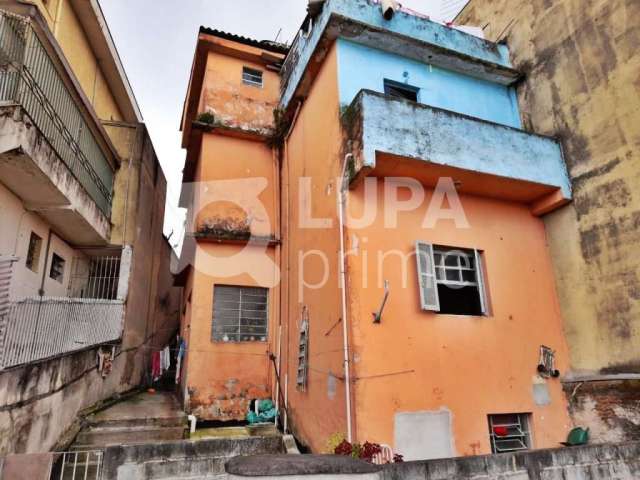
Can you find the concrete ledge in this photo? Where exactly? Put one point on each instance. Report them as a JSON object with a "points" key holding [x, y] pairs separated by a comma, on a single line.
{"points": [[276, 466]]}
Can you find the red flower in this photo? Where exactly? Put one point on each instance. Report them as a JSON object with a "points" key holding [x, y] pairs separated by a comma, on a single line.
{"points": [[344, 448]]}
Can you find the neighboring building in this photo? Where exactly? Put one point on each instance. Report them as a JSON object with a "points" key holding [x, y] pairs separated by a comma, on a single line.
{"points": [[449, 364], [581, 63], [84, 267]]}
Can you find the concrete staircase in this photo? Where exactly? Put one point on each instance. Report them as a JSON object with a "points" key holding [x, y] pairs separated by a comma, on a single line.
{"points": [[142, 418], [142, 439]]}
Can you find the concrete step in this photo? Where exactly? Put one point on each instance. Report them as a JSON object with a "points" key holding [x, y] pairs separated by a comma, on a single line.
{"points": [[177, 420], [102, 436], [198, 467]]}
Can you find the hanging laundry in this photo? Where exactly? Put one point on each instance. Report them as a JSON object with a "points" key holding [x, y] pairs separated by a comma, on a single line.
{"points": [[156, 371], [181, 350], [166, 359]]}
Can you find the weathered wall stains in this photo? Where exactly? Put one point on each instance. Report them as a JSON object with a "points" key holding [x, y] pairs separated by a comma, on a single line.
{"points": [[581, 60], [611, 409]]}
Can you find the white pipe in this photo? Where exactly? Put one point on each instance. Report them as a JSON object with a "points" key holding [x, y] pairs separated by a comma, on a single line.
{"points": [[192, 423], [286, 401], [343, 275], [279, 349]]}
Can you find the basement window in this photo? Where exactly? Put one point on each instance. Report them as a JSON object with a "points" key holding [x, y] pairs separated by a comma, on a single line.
{"points": [[400, 90], [240, 314], [451, 280], [57, 268], [33, 253], [509, 432], [251, 77]]}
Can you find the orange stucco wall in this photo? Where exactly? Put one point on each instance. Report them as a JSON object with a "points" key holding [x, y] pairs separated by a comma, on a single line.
{"points": [[471, 366], [232, 102], [313, 150], [222, 378]]}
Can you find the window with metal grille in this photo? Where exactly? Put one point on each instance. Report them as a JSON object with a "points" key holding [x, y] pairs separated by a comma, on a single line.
{"points": [[251, 76], [509, 432], [303, 352], [240, 314], [451, 280], [33, 253], [57, 268], [401, 90]]}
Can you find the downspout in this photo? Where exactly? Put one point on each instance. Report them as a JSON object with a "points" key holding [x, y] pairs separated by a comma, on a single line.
{"points": [[343, 294]]}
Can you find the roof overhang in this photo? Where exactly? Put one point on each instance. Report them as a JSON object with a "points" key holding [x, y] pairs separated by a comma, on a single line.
{"points": [[95, 26], [407, 34]]}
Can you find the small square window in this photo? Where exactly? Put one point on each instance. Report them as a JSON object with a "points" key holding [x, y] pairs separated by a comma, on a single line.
{"points": [[401, 90], [33, 253], [57, 268], [510, 432], [251, 77]]}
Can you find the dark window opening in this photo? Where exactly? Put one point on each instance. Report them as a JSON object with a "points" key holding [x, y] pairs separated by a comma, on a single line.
{"points": [[459, 301], [57, 268], [401, 90], [33, 253]]}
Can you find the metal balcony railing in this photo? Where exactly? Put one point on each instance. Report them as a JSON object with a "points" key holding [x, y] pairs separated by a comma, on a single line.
{"points": [[28, 77], [38, 328]]}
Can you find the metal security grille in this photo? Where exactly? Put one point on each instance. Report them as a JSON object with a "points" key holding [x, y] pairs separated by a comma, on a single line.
{"points": [[240, 314], [43, 327], [95, 277], [28, 77], [79, 465], [303, 351], [509, 432]]}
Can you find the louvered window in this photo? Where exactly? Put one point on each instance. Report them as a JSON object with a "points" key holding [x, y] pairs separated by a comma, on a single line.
{"points": [[240, 314], [303, 352], [451, 280]]}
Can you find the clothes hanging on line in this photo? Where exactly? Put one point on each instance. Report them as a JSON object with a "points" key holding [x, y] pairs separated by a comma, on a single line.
{"points": [[181, 351], [156, 369]]}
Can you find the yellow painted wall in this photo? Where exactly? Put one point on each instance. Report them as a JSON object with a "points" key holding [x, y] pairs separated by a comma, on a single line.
{"points": [[581, 61], [76, 46]]}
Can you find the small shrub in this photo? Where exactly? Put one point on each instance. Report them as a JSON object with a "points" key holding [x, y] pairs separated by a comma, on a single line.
{"points": [[206, 117]]}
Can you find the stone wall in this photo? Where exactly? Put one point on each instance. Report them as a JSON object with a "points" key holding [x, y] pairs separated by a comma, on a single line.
{"points": [[621, 462]]}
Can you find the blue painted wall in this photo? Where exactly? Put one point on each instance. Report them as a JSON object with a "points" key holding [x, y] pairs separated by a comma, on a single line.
{"points": [[363, 67]]}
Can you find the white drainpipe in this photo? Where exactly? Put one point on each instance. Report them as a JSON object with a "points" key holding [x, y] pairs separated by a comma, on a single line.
{"points": [[343, 275], [192, 423]]}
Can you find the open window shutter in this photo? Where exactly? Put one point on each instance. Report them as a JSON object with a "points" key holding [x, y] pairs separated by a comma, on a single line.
{"points": [[480, 280], [427, 277]]}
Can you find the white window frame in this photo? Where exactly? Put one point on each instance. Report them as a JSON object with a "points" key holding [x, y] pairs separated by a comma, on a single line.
{"points": [[250, 74], [520, 431], [428, 275]]}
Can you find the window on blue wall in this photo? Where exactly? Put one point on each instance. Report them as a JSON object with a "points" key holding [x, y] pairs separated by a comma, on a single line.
{"points": [[401, 90]]}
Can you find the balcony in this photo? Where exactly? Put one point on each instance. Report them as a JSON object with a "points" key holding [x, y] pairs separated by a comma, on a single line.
{"points": [[38, 328], [54, 154], [396, 137]]}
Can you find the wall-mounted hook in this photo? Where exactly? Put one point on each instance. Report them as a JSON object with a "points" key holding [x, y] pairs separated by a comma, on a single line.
{"points": [[377, 316]]}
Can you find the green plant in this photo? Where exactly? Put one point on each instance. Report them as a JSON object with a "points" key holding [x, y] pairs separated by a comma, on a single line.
{"points": [[207, 118]]}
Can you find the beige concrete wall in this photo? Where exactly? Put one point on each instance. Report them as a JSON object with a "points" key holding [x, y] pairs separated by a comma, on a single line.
{"points": [[17, 225], [581, 61]]}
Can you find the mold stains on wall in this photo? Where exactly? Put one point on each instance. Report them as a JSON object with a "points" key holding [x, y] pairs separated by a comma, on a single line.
{"points": [[231, 400], [581, 61], [610, 409]]}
